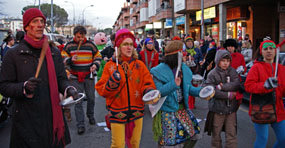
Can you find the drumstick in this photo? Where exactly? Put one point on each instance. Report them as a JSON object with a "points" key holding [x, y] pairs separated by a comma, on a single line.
{"points": [[116, 50], [42, 57], [277, 57]]}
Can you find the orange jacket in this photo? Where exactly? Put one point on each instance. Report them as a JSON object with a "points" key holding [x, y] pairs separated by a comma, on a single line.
{"points": [[125, 101]]}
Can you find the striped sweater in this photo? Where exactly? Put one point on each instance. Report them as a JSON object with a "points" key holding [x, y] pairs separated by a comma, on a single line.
{"points": [[87, 55]]}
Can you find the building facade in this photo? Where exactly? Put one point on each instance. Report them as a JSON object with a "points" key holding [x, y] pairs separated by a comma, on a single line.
{"points": [[222, 19]]}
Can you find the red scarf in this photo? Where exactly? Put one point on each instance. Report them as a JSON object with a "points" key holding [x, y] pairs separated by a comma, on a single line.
{"points": [[57, 117]]}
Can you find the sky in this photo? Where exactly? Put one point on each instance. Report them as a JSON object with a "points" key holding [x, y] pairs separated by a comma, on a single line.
{"points": [[102, 15]]}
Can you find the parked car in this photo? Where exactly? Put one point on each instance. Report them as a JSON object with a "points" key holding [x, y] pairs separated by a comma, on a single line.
{"points": [[246, 95], [54, 37]]}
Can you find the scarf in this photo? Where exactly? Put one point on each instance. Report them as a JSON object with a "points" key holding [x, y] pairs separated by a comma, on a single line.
{"points": [[57, 117], [191, 51]]}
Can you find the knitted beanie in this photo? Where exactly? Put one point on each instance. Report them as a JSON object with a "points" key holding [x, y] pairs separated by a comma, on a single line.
{"points": [[176, 38], [30, 14], [173, 47], [188, 38], [121, 35], [266, 43], [147, 40]]}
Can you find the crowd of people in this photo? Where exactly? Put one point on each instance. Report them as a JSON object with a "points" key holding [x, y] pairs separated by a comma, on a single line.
{"points": [[34, 72]]}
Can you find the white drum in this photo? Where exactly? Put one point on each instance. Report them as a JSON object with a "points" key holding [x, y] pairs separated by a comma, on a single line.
{"points": [[151, 97], [207, 92], [197, 79], [69, 101]]}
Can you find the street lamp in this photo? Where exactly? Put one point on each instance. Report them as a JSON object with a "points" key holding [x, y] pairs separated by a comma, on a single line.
{"points": [[73, 11], [83, 13]]}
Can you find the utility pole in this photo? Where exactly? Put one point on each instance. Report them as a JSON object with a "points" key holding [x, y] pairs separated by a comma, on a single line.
{"points": [[40, 4], [202, 20], [51, 16], [174, 27]]}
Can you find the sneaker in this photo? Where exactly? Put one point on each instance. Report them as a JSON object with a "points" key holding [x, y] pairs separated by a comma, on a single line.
{"points": [[92, 121], [80, 130]]}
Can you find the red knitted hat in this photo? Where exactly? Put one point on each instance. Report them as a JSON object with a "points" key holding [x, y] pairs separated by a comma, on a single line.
{"points": [[121, 35], [30, 14]]}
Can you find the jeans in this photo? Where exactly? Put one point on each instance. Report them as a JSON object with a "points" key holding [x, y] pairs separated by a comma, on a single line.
{"points": [[262, 134], [86, 87]]}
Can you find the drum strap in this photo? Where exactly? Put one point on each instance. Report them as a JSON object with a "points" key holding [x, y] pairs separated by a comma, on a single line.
{"points": [[146, 61]]}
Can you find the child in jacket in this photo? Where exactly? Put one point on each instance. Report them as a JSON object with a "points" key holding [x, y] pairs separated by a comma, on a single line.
{"points": [[223, 106]]}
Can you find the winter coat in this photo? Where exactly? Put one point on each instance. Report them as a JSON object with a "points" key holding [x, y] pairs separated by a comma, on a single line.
{"points": [[32, 125], [255, 79], [107, 52], [163, 78], [238, 60], [124, 97], [247, 53], [209, 58], [221, 103], [154, 60]]}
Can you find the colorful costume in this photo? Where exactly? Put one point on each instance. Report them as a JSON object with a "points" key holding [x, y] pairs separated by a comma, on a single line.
{"points": [[175, 123], [81, 77], [124, 94]]}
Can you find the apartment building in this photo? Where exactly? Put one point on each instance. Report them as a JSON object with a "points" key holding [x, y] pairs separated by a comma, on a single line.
{"points": [[222, 18]]}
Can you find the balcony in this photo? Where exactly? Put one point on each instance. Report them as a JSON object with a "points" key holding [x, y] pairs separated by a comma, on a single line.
{"points": [[143, 4], [126, 15], [163, 12]]}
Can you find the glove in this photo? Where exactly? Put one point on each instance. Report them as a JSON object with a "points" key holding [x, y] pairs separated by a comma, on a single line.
{"points": [[31, 85], [71, 91], [117, 75], [271, 83]]}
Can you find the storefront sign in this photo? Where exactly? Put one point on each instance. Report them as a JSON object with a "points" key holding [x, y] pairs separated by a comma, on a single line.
{"points": [[157, 25], [148, 26], [168, 23], [179, 5], [208, 13], [180, 20]]}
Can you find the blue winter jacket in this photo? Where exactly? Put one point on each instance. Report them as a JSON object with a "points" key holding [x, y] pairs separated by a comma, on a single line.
{"points": [[164, 80]]}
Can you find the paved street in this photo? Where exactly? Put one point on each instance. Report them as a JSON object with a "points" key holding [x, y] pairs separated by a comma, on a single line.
{"points": [[96, 136]]}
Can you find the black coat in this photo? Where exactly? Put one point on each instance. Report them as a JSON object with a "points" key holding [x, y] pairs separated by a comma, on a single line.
{"points": [[31, 117], [107, 52]]}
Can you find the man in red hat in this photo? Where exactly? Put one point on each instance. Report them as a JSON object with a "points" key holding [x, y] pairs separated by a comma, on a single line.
{"points": [[37, 118]]}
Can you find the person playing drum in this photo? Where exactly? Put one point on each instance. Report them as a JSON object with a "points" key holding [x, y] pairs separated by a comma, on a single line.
{"points": [[223, 106], [124, 82], [174, 124]]}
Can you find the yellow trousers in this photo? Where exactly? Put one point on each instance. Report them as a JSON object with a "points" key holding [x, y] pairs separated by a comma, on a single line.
{"points": [[118, 134]]}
